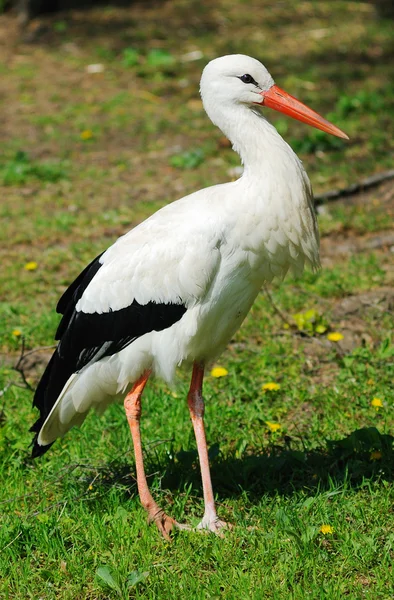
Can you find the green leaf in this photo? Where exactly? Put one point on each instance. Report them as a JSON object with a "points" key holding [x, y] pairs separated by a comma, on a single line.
{"points": [[130, 57], [188, 160], [121, 514], [308, 502], [159, 58], [105, 574], [136, 577]]}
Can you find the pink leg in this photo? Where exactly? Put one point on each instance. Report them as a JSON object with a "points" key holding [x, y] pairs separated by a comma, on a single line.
{"points": [[195, 400], [132, 404]]}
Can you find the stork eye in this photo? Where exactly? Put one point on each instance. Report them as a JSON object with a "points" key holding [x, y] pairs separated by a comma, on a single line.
{"points": [[247, 79]]}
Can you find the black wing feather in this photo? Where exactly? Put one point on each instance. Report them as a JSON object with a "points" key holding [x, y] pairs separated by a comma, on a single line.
{"points": [[73, 293], [86, 338]]}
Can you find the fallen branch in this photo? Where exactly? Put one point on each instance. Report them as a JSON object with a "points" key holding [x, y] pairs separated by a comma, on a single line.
{"points": [[355, 188], [18, 367], [276, 309]]}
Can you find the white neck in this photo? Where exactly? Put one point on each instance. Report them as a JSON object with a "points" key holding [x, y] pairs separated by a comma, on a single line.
{"points": [[258, 143], [273, 174]]}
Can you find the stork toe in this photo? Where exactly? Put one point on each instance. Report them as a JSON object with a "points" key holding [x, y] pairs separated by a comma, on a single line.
{"points": [[166, 524], [215, 525]]}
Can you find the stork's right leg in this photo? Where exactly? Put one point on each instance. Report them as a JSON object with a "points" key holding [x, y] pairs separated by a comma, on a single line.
{"points": [[132, 404]]}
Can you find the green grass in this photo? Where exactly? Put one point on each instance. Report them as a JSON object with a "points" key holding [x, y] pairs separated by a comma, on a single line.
{"points": [[76, 510], [71, 525], [19, 169]]}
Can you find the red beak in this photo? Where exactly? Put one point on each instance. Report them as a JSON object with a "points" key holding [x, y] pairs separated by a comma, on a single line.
{"points": [[281, 101]]}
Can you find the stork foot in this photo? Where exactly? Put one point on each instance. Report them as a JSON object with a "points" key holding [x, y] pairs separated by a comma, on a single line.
{"points": [[214, 524], [166, 524]]}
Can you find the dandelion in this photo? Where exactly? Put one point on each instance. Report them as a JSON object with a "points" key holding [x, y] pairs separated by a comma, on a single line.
{"points": [[375, 455], [326, 529], [16, 332], [273, 427], [219, 372], [376, 403], [31, 266], [87, 134], [335, 336], [271, 386]]}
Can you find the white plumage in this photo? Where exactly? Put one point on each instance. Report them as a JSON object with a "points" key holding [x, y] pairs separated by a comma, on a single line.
{"points": [[206, 256]]}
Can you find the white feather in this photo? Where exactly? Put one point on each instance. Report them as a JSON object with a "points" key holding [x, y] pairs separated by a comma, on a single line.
{"points": [[212, 251]]}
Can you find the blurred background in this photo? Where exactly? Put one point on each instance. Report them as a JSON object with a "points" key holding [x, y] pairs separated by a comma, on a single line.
{"points": [[101, 124]]}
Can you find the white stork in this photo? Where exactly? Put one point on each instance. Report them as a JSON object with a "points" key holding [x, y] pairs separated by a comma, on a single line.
{"points": [[175, 289]]}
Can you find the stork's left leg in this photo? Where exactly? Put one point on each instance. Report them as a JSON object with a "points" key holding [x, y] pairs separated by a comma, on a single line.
{"points": [[195, 401], [132, 404]]}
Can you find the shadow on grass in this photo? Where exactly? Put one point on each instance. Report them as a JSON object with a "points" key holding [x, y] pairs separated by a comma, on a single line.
{"points": [[118, 21], [364, 454]]}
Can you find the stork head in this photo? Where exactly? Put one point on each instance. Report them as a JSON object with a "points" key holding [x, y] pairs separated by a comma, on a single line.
{"points": [[238, 79]]}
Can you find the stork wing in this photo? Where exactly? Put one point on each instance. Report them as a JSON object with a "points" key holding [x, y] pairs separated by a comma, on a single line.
{"points": [[144, 282]]}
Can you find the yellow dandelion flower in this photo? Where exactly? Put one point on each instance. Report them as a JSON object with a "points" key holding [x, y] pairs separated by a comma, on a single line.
{"points": [[219, 372], [87, 134], [273, 427], [326, 529], [271, 386], [90, 487], [31, 266], [375, 455], [335, 336], [376, 403], [16, 332]]}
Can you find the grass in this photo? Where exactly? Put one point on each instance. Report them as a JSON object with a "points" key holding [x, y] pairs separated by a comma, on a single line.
{"points": [[87, 156], [19, 169]]}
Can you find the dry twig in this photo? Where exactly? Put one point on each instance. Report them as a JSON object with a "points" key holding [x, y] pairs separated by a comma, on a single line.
{"points": [[355, 188]]}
